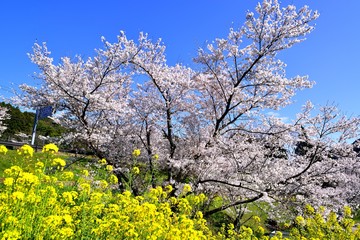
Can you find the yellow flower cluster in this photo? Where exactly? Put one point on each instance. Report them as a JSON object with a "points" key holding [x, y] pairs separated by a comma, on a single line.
{"points": [[26, 150], [109, 168], [85, 172], [87, 212], [136, 152], [67, 175], [22, 179], [3, 149], [102, 161], [39, 165], [313, 225], [113, 179], [34, 205], [50, 148], [187, 188], [65, 205], [135, 170], [58, 163]]}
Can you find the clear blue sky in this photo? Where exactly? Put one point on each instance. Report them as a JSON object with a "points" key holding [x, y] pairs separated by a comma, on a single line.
{"points": [[330, 56]]}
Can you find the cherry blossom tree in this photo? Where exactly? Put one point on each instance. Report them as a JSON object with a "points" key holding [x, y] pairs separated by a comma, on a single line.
{"points": [[92, 95], [210, 126], [310, 160], [3, 116], [163, 102], [242, 73]]}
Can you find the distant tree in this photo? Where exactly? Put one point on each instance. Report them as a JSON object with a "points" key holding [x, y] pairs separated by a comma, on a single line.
{"points": [[3, 117], [18, 121]]}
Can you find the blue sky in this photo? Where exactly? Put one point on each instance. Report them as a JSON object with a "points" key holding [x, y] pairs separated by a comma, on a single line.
{"points": [[330, 55]]}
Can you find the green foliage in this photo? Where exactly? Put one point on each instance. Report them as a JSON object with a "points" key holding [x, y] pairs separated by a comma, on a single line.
{"points": [[357, 215]]}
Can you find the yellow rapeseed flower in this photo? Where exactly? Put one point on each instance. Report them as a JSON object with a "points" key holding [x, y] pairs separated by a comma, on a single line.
{"points": [[11, 234], [102, 161], [184, 205], [135, 170], [136, 152], [187, 188], [109, 168], [58, 162], [173, 200], [26, 150], [85, 172], [168, 188], [39, 165], [260, 230], [103, 184], [50, 148], [68, 197], [18, 195], [9, 181], [347, 211], [67, 218], [113, 179], [127, 193], [32, 198], [309, 209], [66, 232], [256, 219], [67, 175], [85, 187], [28, 179], [52, 222], [299, 220], [3, 149], [12, 220], [13, 171]]}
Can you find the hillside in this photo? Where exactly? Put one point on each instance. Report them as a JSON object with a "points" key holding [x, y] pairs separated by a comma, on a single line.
{"points": [[22, 122]]}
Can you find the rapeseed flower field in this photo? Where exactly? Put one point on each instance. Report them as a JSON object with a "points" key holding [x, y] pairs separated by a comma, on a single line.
{"points": [[39, 199]]}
